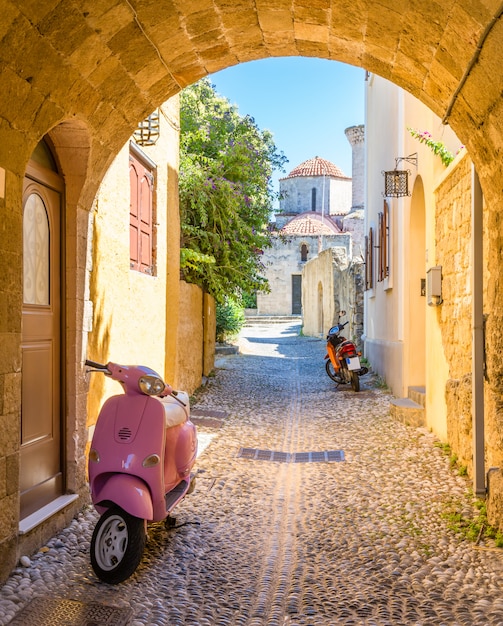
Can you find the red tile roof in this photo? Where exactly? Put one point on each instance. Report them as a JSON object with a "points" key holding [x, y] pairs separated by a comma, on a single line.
{"points": [[317, 167], [310, 224]]}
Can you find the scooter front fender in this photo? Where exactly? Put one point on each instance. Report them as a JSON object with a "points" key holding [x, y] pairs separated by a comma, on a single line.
{"points": [[127, 491]]}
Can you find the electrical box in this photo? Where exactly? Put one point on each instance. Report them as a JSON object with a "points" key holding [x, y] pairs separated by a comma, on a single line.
{"points": [[434, 285]]}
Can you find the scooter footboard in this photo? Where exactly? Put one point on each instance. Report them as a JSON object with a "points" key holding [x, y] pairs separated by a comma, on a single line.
{"points": [[128, 492]]}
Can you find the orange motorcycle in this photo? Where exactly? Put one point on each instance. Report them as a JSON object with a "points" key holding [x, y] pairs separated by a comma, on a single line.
{"points": [[342, 359]]}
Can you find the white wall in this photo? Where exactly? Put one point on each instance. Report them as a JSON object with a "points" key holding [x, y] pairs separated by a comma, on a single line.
{"points": [[401, 329]]}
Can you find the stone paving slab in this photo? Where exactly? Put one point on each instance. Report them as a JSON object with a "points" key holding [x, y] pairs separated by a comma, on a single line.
{"points": [[363, 541]]}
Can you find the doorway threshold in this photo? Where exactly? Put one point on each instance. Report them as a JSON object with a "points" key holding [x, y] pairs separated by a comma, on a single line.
{"points": [[35, 519]]}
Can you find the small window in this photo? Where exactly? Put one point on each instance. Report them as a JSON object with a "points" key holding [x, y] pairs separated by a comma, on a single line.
{"points": [[141, 212], [313, 199], [303, 252]]}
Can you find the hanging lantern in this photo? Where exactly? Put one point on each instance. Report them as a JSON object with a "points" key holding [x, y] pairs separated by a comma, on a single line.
{"points": [[396, 182]]}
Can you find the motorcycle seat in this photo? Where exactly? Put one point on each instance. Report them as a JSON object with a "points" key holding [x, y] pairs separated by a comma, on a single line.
{"points": [[174, 412]]}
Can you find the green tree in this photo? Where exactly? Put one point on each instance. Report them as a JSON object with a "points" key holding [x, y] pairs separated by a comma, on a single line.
{"points": [[226, 196]]}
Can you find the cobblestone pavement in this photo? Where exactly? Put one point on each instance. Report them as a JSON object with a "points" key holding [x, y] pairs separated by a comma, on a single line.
{"points": [[362, 541]]}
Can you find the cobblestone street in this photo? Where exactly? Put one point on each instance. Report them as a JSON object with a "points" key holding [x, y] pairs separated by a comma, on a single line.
{"points": [[363, 540]]}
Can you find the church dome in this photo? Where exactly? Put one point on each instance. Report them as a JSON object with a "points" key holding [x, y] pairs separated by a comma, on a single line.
{"points": [[310, 224], [317, 167]]}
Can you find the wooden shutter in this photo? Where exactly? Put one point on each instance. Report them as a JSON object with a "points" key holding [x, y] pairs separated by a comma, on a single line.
{"points": [[141, 216], [369, 259], [134, 212]]}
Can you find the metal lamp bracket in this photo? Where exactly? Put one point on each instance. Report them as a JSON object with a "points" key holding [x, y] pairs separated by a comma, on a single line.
{"points": [[412, 159]]}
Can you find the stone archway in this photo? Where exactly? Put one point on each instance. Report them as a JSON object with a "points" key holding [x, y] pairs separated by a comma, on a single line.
{"points": [[107, 65], [110, 64], [113, 63]]}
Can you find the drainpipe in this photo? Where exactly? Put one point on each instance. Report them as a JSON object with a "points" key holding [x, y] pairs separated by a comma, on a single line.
{"points": [[478, 357]]}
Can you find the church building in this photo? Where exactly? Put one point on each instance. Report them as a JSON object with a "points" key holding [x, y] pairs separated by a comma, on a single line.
{"points": [[317, 211]]}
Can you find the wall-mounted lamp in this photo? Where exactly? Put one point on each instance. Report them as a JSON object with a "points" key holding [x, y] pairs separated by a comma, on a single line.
{"points": [[434, 286], [396, 182]]}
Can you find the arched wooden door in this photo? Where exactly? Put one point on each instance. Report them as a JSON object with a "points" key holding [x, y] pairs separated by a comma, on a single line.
{"points": [[41, 462]]}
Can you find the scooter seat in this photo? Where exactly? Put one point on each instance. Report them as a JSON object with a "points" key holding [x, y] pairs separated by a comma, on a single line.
{"points": [[174, 412]]}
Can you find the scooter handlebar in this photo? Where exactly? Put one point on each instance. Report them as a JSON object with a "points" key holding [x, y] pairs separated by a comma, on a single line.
{"points": [[96, 365]]}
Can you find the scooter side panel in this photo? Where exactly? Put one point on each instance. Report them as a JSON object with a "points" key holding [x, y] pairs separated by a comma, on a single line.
{"points": [[128, 492], [186, 451], [123, 455]]}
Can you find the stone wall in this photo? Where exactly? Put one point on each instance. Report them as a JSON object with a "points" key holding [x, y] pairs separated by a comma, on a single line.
{"points": [[330, 283], [453, 215], [93, 80], [284, 260], [453, 226], [196, 337]]}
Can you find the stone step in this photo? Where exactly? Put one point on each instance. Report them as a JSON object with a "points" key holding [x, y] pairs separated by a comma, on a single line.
{"points": [[408, 412], [272, 319], [418, 394]]}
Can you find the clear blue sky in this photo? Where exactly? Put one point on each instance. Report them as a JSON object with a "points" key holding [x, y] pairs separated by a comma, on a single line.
{"points": [[306, 103]]}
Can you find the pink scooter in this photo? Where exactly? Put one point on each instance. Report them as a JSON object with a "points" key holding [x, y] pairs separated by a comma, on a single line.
{"points": [[143, 449]]}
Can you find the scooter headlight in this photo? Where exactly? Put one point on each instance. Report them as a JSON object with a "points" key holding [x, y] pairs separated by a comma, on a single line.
{"points": [[151, 385]]}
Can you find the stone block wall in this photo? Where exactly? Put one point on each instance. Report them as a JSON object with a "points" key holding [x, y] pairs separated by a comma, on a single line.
{"points": [[331, 283], [195, 357], [282, 261], [453, 215]]}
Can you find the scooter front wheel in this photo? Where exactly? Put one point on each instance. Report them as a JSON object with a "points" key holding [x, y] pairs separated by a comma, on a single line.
{"points": [[330, 369], [117, 545]]}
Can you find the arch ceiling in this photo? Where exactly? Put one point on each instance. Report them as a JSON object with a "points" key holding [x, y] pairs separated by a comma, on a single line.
{"points": [[111, 62]]}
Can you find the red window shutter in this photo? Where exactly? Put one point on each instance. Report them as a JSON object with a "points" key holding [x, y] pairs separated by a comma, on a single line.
{"points": [[134, 225], [386, 239], [141, 216], [146, 222]]}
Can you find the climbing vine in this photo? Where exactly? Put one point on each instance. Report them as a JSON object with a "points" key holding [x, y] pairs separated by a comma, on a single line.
{"points": [[437, 147]]}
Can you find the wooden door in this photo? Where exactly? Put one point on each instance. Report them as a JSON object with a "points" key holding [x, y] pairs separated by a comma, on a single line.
{"points": [[41, 473], [296, 294]]}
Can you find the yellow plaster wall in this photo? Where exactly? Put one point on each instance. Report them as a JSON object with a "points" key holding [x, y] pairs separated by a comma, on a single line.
{"points": [[130, 309], [209, 333]]}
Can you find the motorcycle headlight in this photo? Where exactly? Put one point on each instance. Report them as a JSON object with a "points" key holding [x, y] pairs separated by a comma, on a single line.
{"points": [[151, 385]]}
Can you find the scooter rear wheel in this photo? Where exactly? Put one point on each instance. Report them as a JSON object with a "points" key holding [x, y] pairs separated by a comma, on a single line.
{"points": [[355, 380], [117, 545]]}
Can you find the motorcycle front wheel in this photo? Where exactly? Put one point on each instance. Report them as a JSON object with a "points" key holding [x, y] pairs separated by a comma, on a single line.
{"points": [[117, 545], [330, 369], [355, 380]]}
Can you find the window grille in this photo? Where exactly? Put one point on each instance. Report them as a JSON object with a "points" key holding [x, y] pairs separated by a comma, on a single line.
{"points": [[148, 130]]}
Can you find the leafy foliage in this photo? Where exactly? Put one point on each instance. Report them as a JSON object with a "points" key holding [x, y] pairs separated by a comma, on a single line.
{"points": [[230, 320], [226, 196], [437, 147]]}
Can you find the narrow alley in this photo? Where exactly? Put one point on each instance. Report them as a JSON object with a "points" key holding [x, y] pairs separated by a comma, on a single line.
{"points": [[357, 536]]}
